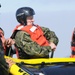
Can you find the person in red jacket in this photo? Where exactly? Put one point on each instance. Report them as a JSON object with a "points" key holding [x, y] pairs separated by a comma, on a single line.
{"points": [[32, 40], [73, 45]]}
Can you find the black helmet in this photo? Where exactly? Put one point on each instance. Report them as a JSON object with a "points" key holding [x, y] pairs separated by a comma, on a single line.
{"points": [[23, 13]]}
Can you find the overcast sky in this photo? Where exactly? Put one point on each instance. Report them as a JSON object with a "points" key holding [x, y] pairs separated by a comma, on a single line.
{"points": [[57, 15]]}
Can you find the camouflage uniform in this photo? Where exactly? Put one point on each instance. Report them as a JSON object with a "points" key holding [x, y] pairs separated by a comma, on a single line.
{"points": [[30, 48]]}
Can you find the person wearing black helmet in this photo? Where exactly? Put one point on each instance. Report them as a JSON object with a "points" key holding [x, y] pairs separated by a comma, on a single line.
{"points": [[31, 40]]}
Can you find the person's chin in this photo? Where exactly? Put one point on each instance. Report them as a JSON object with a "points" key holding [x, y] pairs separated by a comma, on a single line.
{"points": [[30, 24]]}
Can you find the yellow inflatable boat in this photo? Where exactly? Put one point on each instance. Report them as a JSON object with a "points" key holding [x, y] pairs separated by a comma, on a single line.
{"points": [[49, 66]]}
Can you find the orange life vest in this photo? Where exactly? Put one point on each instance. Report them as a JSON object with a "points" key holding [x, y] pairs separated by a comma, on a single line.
{"points": [[35, 32]]}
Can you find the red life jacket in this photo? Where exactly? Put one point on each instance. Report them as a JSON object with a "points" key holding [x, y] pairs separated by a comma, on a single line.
{"points": [[35, 32]]}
